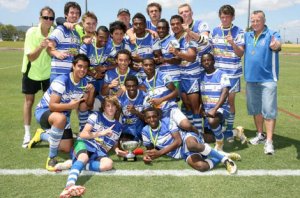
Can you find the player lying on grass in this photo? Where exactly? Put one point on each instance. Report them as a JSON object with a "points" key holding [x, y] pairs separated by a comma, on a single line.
{"points": [[100, 134], [163, 137]]}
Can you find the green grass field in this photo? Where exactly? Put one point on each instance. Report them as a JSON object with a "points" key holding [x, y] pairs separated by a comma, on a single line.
{"points": [[286, 141]]}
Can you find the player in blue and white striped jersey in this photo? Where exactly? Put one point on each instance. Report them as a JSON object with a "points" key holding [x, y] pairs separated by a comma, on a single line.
{"points": [[99, 136], [214, 85], [163, 137], [132, 105], [66, 92], [64, 43], [228, 47], [146, 45], [114, 79], [197, 30], [189, 72], [169, 62]]}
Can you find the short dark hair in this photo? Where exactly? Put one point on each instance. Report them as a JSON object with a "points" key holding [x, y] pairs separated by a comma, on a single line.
{"points": [[72, 4], [139, 16], [124, 51], [176, 16], [158, 111], [117, 25], [153, 5], [148, 58], [47, 8], [81, 57], [102, 28], [166, 22], [227, 10], [131, 78], [210, 55]]}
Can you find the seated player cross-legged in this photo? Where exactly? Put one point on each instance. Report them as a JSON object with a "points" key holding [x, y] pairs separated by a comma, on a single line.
{"points": [[163, 137]]}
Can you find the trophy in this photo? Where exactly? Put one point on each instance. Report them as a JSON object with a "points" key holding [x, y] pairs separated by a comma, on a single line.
{"points": [[129, 146]]}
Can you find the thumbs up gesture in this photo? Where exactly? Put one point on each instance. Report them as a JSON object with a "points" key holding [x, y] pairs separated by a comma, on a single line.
{"points": [[275, 45]]}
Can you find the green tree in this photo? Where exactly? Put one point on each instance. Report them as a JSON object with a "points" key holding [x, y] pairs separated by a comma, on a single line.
{"points": [[8, 32]]}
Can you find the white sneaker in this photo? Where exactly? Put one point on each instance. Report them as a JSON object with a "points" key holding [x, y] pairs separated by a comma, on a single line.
{"points": [[269, 148], [240, 134], [26, 141], [259, 139], [230, 167]]}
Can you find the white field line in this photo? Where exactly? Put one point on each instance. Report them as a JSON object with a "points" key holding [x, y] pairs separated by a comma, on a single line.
{"points": [[178, 173], [8, 67]]}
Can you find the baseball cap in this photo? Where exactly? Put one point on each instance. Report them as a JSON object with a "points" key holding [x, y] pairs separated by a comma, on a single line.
{"points": [[123, 10]]}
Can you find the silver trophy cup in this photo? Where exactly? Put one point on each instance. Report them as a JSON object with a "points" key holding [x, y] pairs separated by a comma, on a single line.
{"points": [[129, 146]]}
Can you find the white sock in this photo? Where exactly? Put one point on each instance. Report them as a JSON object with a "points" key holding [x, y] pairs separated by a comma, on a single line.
{"points": [[27, 130]]}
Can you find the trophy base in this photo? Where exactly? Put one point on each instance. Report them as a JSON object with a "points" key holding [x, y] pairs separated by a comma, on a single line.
{"points": [[131, 159]]}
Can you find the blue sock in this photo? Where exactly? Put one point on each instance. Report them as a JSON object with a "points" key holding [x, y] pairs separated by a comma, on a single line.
{"points": [[94, 166], [45, 137], [230, 121], [218, 133], [197, 120], [211, 153], [83, 117], [228, 134], [74, 172], [189, 115], [54, 140]]}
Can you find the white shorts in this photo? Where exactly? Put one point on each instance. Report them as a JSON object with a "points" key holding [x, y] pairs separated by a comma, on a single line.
{"points": [[177, 116]]}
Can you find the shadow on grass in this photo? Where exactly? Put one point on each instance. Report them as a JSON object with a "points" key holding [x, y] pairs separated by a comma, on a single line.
{"points": [[280, 142]]}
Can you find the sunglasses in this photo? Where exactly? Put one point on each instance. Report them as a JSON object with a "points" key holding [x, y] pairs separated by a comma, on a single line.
{"points": [[48, 18]]}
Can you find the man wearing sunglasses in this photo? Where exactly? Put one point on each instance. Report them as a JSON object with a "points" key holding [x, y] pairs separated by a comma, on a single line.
{"points": [[36, 65]]}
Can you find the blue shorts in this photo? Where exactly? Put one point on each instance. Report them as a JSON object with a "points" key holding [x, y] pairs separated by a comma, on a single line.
{"points": [[185, 153], [189, 86], [262, 99], [235, 85]]}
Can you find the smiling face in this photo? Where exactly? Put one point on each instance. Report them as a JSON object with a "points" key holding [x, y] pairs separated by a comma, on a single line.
{"points": [[162, 29], [47, 22], [131, 87], [73, 15], [152, 118], [258, 22], [80, 70], [123, 61], [102, 38]]}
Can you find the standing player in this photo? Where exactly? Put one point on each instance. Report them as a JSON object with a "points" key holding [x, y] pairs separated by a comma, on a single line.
{"points": [[169, 62], [154, 12], [66, 92], [228, 47], [36, 65], [189, 72], [99, 136], [162, 137], [64, 43]]}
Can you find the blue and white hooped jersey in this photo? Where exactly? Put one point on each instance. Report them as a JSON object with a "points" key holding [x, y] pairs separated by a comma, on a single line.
{"points": [[150, 26], [199, 26], [157, 88], [66, 41], [170, 69], [102, 143], [64, 87], [132, 124], [162, 137], [225, 58], [211, 86], [97, 56], [112, 74], [145, 48], [188, 70]]}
